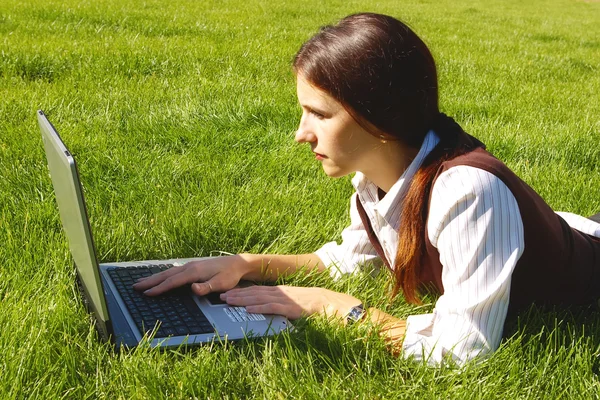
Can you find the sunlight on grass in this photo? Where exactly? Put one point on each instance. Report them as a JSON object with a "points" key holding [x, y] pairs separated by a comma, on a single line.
{"points": [[181, 116]]}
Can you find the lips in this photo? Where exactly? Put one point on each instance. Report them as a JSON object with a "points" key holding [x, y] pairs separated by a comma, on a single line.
{"points": [[319, 156]]}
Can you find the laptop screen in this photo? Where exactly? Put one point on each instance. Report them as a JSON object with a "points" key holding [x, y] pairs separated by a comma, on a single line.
{"points": [[73, 215]]}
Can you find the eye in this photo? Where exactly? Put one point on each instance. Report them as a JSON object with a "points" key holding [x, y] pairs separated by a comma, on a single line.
{"points": [[317, 114]]}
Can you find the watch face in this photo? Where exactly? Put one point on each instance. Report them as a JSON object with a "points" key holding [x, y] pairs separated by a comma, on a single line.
{"points": [[356, 313]]}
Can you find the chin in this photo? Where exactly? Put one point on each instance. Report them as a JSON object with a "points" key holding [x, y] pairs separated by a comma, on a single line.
{"points": [[335, 172]]}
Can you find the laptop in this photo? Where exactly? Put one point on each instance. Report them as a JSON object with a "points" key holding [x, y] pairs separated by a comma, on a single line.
{"points": [[124, 316]]}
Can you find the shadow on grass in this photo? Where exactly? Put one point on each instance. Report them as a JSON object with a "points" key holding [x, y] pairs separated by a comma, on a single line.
{"points": [[555, 329]]}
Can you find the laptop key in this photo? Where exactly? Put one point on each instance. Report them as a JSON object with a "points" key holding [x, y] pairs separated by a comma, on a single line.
{"points": [[198, 329], [170, 331], [181, 330], [155, 269], [195, 329]]}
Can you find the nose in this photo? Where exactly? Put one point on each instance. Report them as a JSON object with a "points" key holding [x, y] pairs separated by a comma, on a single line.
{"points": [[304, 134]]}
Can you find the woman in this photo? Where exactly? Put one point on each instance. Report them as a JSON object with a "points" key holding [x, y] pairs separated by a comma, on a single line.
{"points": [[430, 202]]}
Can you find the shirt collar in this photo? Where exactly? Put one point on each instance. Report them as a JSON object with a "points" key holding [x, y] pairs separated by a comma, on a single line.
{"points": [[367, 190]]}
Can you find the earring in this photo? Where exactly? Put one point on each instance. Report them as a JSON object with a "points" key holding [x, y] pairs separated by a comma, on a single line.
{"points": [[382, 139]]}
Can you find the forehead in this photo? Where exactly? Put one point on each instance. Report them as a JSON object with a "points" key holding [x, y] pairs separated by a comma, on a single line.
{"points": [[310, 95]]}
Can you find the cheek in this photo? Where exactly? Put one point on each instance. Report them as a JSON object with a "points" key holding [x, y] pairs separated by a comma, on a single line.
{"points": [[335, 134], [339, 144]]}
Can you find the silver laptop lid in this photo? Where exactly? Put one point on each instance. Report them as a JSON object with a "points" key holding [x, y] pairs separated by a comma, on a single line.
{"points": [[73, 214]]}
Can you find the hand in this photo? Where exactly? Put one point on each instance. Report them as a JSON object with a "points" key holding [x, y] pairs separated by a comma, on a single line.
{"points": [[216, 274], [290, 301], [391, 328]]}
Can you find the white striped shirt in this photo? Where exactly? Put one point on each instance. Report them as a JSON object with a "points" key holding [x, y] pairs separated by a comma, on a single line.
{"points": [[475, 224]]}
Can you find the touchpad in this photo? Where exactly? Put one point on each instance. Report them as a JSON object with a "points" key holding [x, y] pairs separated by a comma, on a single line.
{"points": [[214, 298]]}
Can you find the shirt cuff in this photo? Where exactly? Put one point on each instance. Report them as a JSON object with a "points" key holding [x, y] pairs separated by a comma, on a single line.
{"points": [[580, 223], [339, 266], [327, 255], [419, 328]]}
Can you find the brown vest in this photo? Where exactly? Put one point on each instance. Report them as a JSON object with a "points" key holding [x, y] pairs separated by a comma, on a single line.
{"points": [[559, 265]]}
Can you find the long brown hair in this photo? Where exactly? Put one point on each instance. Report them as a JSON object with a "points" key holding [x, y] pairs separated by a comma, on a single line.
{"points": [[385, 77]]}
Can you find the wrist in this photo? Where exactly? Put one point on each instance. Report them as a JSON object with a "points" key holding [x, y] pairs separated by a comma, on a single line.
{"points": [[251, 266], [391, 328], [342, 305]]}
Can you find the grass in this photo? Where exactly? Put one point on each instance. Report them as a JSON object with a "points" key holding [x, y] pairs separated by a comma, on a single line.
{"points": [[181, 117]]}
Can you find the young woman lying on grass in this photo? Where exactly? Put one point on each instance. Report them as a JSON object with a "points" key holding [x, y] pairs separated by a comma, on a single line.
{"points": [[430, 202]]}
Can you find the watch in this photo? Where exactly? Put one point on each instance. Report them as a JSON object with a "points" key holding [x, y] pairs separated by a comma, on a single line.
{"points": [[356, 314]]}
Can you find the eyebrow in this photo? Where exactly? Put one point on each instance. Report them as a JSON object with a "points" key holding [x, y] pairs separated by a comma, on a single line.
{"points": [[315, 109]]}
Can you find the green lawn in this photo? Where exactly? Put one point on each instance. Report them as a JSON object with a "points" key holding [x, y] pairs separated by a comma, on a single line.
{"points": [[181, 115]]}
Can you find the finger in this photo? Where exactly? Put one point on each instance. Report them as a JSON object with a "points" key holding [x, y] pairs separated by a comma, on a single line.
{"points": [[219, 282], [187, 276], [251, 290], [168, 272], [203, 288], [288, 311], [153, 280], [252, 300]]}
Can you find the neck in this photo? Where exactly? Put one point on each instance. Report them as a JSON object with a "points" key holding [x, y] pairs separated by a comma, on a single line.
{"points": [[389, 164]]}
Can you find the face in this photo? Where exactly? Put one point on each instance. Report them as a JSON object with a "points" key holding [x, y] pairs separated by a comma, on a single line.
{"points": [[336, 139]]}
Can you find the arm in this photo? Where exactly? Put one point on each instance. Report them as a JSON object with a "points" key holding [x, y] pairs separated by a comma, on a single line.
{"points": [[391, 328], [476, 226], [355, 249], [270, 267], [295, 302], [580, 223], [223, 273]]}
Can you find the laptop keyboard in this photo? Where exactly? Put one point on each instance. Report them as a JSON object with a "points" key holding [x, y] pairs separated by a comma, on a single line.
{"points": [[172, 314]]}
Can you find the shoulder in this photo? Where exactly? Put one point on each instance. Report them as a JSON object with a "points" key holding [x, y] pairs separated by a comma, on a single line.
{"points": [[476, 172], [467, 193], [459, 181], [479, 158]]}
